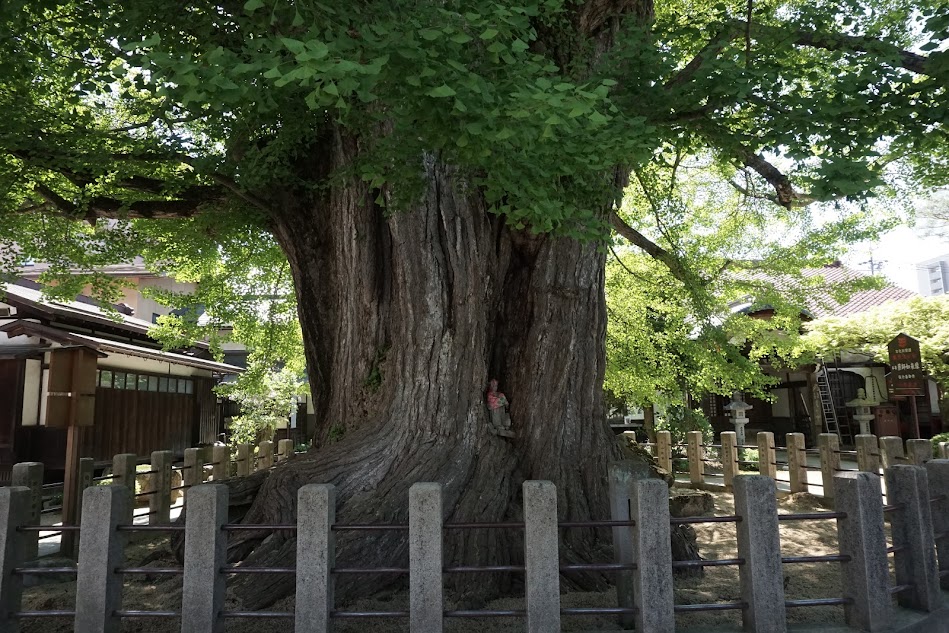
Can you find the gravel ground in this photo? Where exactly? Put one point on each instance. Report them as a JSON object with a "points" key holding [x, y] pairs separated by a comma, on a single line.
{"points": [[720, 584]]}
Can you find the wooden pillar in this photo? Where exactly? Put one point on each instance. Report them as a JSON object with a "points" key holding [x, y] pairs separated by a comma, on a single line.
{"points": [[696, 454], [245, 460], [664, 451], [797, 462], [729, 457], [829, 445], [69, 540], [767, 464]]}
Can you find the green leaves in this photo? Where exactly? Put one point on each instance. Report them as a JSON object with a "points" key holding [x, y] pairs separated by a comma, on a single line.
{"points": [[294, 46], [442, 91], [869, 332], [535, 117]]}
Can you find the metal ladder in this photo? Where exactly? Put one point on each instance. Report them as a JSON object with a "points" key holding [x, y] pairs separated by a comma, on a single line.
{"points": [[828, 408]]}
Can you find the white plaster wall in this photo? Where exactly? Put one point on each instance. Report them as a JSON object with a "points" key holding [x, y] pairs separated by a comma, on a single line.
{"points": [[134, 363], [146, 306], [32, 387]]}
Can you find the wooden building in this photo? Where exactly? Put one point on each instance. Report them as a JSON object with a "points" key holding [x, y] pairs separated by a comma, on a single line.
{"points": [[146, 399], [796, 402]]}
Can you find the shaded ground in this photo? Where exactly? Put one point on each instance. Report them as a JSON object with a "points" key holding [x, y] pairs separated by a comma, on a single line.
{"points": [[720, 584]]}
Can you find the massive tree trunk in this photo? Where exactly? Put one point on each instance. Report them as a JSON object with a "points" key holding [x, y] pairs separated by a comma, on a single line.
{"points": [[406, 317]]}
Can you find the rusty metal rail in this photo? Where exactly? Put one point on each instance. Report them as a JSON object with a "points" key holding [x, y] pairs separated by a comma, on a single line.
{"points": [[710, 606], [830, 558], [731, 518], [817, 602]]}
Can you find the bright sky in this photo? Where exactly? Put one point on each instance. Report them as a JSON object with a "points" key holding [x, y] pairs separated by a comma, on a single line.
{"points": [[900, 251]]}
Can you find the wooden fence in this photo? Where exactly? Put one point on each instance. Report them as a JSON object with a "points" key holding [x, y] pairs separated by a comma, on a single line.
{"points": [[640, 524], [158, 486], [872, 455]]}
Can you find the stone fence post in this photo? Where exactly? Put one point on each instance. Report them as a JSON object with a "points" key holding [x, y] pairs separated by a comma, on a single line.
{"points": [[664, 450], [937, 471], [426, 602], [192, 471], [652, 579], [30, 475], [124, 467], [15, 511], [829, 445], [729, 456], [866, 577], [696, 455], [622, 477], [919, 451], [159, 502], [101, 550], [912, 530], [202, 597], [123, 470], [767, 461], [220, 462], [797, 462], [245, 460], [541, 557], [284, 450], [868, 453], [943, 450], [761, 578], [891, 451], [265, 455], [316, 557]]}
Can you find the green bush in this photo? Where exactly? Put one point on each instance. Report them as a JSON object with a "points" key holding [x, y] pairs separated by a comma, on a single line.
{"points": [[679, 420], [749, 455], [141, 481], [937, 439]]}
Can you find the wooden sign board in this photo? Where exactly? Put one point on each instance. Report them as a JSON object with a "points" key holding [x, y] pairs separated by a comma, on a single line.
{"points": [[71, 397], [906, 368]]}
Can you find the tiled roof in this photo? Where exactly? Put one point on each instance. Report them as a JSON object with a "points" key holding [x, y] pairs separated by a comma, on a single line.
{"points": [[860, 301], [102, 345], [821, 302]]}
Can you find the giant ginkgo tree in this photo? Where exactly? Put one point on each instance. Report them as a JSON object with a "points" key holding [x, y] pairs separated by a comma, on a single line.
{"points": [[440, 177]]}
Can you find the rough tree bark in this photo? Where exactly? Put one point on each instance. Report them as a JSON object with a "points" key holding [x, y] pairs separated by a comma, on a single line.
{"points": [[405, 318]]}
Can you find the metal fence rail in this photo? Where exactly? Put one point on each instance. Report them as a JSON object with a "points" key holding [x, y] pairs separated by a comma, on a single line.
{"points": [[642, 562]]}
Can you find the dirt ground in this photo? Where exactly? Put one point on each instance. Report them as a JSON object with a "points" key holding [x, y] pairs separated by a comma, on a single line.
{"points": [[720, 584]]}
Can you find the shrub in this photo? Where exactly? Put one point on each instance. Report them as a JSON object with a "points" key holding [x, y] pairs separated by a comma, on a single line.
{"points": [[937, 439], [679, 420], [749, 455]]}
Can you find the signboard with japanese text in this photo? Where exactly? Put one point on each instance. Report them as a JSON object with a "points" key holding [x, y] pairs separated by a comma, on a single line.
{"points": [[906, 367]]}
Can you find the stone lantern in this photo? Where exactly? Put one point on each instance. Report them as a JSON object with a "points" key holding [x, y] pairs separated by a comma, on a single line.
{"points": [[737, 408], [861, 405]]}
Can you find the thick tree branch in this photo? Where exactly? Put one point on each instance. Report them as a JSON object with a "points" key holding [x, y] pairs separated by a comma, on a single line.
{"points": [[188, 199], [708, 52], [59, 203], [650, 248], [105, 207], [907, 60], [785, 194]]}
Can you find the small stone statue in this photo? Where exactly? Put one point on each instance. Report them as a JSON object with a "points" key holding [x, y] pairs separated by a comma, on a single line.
{"points": [[497, 411]]}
